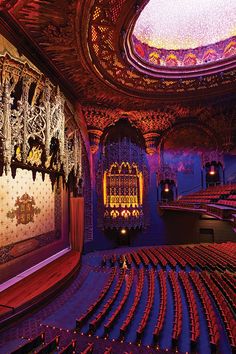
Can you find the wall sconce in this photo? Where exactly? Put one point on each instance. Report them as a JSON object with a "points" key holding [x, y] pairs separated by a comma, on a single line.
{"points": [[212, 170], [166, 188]]}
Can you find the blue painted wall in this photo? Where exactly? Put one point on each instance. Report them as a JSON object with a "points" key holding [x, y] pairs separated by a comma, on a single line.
{"points": [[172, 227]]}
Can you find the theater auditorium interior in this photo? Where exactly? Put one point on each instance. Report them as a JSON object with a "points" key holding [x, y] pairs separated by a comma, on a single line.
{"points": [[117, 176]]}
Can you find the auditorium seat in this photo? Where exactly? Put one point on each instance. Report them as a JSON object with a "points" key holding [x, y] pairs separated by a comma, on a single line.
{"points": [[163, 305], [31, 345], [69, 349]]}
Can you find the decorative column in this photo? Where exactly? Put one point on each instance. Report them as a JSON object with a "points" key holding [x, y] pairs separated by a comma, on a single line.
{"points": [[94, 137], [7, 101], [25, 105], [47, 105], [151, 142]]}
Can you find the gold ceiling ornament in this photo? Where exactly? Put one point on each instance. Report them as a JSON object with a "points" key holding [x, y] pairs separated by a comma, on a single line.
{"points": [[32, 108]]}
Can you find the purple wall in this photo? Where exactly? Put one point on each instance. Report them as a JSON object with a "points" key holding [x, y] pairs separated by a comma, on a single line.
{"points": [[171, 227]]}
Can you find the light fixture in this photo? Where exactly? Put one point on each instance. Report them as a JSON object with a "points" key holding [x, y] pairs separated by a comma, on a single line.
{"points": [[166, 188], [212, 170], [123, 231]]}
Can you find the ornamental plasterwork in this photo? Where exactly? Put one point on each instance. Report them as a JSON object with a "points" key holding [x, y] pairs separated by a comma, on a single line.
{"points": [[146, 121], [7, 4], [40, 119], [96, 69], [218, 120], [114, 67], [25, 210]]}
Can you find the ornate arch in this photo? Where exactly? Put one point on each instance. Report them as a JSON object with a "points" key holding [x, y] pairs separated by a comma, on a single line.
{"points": [[187, 123]]}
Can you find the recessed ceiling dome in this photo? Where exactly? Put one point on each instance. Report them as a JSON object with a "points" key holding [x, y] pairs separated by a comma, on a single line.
{"points": [[185, 32]]}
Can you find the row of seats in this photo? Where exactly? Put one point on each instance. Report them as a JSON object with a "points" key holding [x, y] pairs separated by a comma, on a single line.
{"points": [[129, 282], [151, 256], [162, 260], [204, 256], [192, 307], [137, 297], [38, 345], [149, 304], [80, 321], [143, 257], [183, 254], [212, 323], [94, 323], [230, 279], [225, 288], [178, 310], [232, 196], [227, 202], [214, 192], [136, 258], [219, 195], [225, 309], [215, 260], [163, 305]]}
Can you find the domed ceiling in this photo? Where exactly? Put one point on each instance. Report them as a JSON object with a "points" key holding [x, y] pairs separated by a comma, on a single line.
{"points": [[89, 46], [185, 32]]}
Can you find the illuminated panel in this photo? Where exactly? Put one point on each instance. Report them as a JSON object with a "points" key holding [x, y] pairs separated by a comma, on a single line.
{"points": [[122, 186], [105, 188], [185, 24]]}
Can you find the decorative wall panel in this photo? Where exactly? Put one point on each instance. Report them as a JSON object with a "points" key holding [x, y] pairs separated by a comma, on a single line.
{"points": [[30, 214]]}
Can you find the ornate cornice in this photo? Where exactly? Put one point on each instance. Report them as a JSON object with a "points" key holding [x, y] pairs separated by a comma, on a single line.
{"points": [[218, 121]]}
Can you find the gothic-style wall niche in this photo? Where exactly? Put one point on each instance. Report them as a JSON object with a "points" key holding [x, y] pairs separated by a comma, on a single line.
{"points": [[182, 151], [121, 179]]}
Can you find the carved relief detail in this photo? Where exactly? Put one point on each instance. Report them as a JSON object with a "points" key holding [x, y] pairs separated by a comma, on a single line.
{"points": [[32, 109]]}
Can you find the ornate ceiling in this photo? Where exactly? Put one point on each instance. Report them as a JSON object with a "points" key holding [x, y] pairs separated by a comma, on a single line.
{"points": [[184, 24], [83, 42], [183, 34]]}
